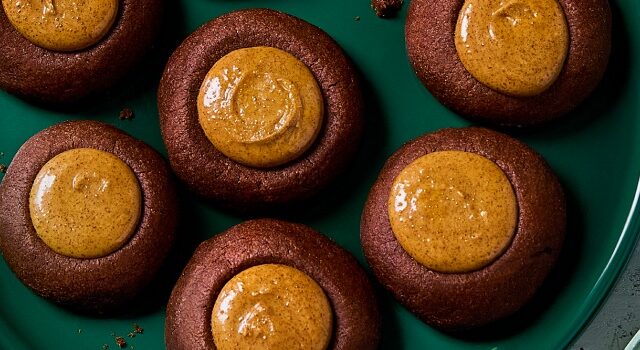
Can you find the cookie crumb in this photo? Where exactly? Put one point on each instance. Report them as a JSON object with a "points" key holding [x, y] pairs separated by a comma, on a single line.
{"points": [[386, 8], [126, 114], [137, 329], [3, 168], [105, 346], [79, 330], [131, 335], [357, 18], [121, 342]]}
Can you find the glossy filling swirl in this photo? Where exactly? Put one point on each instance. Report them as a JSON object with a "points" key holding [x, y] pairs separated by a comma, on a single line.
{"points": [[516, 47], [62, 25], [260, 106], [453, 211], [85, 203], [271, 306]]}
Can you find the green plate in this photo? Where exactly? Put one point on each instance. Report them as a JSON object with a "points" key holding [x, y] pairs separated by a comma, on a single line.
{"points": [[595, 152]]}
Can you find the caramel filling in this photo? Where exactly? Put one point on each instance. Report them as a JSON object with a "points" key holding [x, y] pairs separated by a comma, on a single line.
{"points": [[271, 307], [260, 106], [62, 25], [516, 47], [85, 203], [453, 211]]}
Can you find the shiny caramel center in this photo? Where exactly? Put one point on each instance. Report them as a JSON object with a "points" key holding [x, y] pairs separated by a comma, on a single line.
{"points": [[453, 211], [85, 203], [516, 47], [260, 106], [271, 307], [62, 25]]}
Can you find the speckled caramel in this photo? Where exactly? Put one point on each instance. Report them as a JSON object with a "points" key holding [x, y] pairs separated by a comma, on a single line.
{"points": [[430, 38], [100, 285], [454, 301], [210, 173], [452, 211], [62, 25], [85, 203], [356, 319], [59, 77], [260, 106], [517, 47], [271, 306]]}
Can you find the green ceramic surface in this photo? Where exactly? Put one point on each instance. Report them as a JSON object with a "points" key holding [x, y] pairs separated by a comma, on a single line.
{"points": [[595, 152]]}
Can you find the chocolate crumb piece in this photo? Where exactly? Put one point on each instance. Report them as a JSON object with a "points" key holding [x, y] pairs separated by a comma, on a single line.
{"points": [[137, 329], [386, 8], [3, 168], [121, 342], [126, 114], [357, 18]]}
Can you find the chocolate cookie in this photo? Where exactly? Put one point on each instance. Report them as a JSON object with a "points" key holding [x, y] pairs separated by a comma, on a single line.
{"points": [[431, 47], [212, 174], [43, 75], [461, 300], [254, 243], [95, 285]]}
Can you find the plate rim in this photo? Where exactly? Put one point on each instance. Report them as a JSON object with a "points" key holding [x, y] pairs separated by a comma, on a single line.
{"points": [[604, 285]]}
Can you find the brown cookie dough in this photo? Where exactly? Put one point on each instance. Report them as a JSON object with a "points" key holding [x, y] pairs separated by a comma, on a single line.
{"points": [[266, 241], [94, 285], [453, 301], [386, 8], [42, 75], [205, 169], [432, 51]]}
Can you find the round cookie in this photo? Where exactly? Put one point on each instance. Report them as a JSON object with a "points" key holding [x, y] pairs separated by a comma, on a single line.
{"points": [[49, 76], [356, 322], [212, 174], [461, 300], [430, 32], [103, 283]]}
